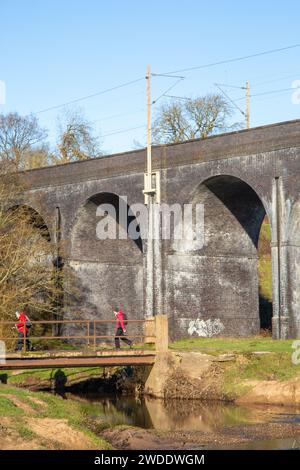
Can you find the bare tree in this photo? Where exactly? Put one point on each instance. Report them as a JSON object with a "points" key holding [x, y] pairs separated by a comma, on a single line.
{"points": [[29, 276], [37, 157], [192, 119], [19, 135], [76, 140]]}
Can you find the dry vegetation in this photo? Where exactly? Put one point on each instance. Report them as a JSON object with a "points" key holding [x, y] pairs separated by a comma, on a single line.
{"points": [[30, 279]]}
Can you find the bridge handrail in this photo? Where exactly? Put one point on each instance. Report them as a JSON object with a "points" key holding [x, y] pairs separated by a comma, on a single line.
{"points": [[4, 322], [87, 335]]}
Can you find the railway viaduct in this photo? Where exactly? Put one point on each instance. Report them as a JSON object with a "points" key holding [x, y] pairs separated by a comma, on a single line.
{"points": [[239, 178]]}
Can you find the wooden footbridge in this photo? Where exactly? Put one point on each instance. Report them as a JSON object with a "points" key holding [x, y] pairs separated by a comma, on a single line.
{"points": [[84, 343]]}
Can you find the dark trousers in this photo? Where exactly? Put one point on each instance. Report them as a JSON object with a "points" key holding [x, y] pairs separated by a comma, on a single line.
{"points": [[20, 342], [121, 335]]}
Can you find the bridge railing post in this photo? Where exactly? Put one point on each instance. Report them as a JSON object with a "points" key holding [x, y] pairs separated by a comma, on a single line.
{"points": [[161, 333], [24, 336], [95, 332], [88, 333]]}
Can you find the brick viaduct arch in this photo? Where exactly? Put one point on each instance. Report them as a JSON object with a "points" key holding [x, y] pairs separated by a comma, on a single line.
{"points": [[239, 176], [109, 271], [228, 262]]}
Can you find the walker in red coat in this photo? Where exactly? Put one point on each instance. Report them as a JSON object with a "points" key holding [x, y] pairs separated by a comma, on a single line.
{"points": [[23, 329], [120, 329]]}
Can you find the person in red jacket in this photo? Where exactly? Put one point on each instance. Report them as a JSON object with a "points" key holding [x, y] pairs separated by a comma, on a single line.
{"points": [[120, 329], [22, 326]]}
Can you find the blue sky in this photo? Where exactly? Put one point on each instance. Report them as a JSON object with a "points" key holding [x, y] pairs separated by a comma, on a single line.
{"points": [[55, 51]]}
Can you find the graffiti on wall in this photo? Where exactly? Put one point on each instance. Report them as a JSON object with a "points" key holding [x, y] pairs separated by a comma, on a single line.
{"points": [[205, 328]]}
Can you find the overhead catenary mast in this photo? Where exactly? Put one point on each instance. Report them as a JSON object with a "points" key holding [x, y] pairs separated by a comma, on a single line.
{"points": [[245, 113], [149, 195], [149, 191], [247, 105]]}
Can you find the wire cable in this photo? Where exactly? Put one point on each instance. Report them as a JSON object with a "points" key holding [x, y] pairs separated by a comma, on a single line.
{"points": [[114, 116], [121, 131], [269, 92], [169, 89], [236, 59], [102, 92], [231, 100]]}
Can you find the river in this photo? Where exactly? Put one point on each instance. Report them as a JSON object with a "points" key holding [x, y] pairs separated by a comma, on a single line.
{"points": [[247, 427]]}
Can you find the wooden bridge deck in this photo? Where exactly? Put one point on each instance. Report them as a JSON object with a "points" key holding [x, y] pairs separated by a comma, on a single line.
{"points": [[63, 359]]}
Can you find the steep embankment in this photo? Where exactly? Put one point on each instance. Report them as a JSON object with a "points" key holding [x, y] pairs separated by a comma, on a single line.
{"points": [[252, 370]]}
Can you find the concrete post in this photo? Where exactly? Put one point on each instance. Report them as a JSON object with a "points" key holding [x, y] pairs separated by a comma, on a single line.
{"points": [[149, 265], [155, 384], [153, 262], [280, 320], [149, 330], [161, 333]]}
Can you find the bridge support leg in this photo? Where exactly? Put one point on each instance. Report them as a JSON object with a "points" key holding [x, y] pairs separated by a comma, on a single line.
{"points": [[153, 274], [161, 333], [283, 257], [164, 361]]}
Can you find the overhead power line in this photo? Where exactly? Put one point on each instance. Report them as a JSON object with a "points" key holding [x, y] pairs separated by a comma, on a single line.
{"points": [[231, 101], [276, 80], [230, 86], [236, 59], [169, 89], [121, 131], [165, 75], [269, 92], [170, 74], [114, 116], [102, 92], [179, 97]]}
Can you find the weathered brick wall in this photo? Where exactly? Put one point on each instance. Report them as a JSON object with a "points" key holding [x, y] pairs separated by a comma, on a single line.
{"points": [[218, 283], [109, 272], [258, 170]]}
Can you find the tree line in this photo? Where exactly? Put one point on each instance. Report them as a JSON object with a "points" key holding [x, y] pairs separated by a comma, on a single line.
{"points": [[23, 142]]}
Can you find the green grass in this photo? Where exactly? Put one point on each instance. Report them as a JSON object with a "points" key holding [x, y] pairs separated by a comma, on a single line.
{"points": [[270, 367], [264, 261], [267, 367], [274, 366], [222, 345], [265, 277], [52, 345], [7, 407], [55, 407], [26, 433], [44, 377]]}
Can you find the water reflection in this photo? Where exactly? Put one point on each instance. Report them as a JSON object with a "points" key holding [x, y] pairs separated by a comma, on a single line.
{"points": [[182, 415], [271, 444]]}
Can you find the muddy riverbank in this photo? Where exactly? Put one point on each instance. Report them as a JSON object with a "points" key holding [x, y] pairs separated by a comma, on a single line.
{"points": [[128, 423], [271, 437], [37, 420]]}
